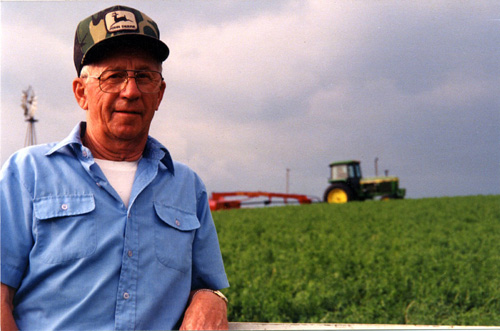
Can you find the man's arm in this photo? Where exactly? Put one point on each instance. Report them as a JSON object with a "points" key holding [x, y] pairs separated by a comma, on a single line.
{"points": [[7, 307], [206, 311]]}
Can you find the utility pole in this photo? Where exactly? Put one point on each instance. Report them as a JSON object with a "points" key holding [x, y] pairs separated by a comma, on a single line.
{"points": [[287, 180], [29, 103], [376, 167], [287, 184]]}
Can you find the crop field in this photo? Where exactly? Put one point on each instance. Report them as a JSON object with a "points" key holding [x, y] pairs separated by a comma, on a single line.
{"points": [[423, 261]]}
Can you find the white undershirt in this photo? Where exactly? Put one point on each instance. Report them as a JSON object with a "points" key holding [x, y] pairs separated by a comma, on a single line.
{"points": [[120, 175]]}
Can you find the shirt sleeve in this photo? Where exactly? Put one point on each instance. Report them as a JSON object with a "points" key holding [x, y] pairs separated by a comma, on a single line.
{"points": [[16, 224], [208, 267]]}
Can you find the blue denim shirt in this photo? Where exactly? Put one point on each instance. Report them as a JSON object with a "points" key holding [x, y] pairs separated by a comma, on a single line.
{"points": [[80, 259]]}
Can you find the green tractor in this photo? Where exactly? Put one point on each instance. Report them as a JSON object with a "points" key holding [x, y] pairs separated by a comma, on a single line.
{"points": [[347, 184]]}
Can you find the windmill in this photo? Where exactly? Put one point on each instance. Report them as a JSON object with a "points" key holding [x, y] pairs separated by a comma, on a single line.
{"points": [[28, 103]]}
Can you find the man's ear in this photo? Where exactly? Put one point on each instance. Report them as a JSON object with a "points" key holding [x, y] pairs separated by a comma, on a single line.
{"points": [[80, 93], [160, 94]]}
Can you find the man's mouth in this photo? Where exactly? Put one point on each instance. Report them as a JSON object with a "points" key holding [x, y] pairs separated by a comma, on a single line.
{"points": [[128, 112]]}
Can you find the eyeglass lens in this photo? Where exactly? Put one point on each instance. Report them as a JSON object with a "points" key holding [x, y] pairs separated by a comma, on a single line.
{"points": [[113, 81]]}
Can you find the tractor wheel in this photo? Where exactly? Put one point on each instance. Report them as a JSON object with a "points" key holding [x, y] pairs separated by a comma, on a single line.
{"points": [[338, 193]]}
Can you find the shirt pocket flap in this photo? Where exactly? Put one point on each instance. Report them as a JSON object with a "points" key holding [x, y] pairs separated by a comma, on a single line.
{"points": [[177, 219], [63, 206]]}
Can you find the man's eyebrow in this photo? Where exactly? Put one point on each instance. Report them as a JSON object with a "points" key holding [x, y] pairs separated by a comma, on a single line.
{"points": [[121, 67]]}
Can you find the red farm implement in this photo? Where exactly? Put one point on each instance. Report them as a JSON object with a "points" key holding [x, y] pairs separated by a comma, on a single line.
{"points": [[218, 200]]}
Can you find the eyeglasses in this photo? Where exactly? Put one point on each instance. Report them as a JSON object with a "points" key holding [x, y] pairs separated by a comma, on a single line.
{"points": [[114, 81]]}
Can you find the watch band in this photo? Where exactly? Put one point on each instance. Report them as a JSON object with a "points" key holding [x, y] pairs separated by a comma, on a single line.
{"points": [[221, 295], [216, 292]]}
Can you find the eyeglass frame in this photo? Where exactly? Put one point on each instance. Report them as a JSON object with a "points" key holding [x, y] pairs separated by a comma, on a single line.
{"points": [[127, 80]]}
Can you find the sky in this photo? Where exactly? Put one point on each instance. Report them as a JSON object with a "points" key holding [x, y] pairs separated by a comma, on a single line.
{"points": [[258, 87]]}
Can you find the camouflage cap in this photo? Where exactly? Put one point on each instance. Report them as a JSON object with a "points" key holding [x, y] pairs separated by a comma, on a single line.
{"points": [[112, 27]]}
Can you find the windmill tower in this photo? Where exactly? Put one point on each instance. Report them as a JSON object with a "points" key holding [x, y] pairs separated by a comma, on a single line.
{"points": [[28, 103]]}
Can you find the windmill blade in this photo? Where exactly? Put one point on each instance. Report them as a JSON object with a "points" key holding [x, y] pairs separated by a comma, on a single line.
{"points": [[24, 102], [33, 107]]}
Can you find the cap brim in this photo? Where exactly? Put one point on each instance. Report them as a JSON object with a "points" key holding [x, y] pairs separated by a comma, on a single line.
{"points": [[156, 47]]}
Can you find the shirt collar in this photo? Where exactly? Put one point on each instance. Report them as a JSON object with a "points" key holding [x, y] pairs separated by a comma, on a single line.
{"points": [[153, 150], [71, 141]]}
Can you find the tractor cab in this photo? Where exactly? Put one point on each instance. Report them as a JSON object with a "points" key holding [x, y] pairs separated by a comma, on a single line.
{"points": [[346, 171]]}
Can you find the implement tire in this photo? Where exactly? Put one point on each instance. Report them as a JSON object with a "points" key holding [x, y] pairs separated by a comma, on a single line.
{"points": [[338, 193]]}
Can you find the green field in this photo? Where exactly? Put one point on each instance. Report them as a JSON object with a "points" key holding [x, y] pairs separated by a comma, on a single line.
{"points": [[423, 261]]}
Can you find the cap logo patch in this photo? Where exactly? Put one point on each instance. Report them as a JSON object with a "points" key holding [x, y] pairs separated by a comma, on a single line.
{"points": [[119, 20]]}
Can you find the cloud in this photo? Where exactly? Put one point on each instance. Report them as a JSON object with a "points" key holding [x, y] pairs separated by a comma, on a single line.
{"points": [[32, 54], [394, 87], [254, 88]]}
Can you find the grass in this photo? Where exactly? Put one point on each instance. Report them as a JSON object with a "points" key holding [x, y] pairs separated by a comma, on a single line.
{"points": [[425, 261]]}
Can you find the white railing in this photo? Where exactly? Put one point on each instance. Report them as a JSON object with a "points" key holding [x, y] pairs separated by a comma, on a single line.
{"points": [[334, 326]]}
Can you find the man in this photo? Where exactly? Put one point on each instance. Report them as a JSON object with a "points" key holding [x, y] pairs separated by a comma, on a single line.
{"points": [[103, 230]]}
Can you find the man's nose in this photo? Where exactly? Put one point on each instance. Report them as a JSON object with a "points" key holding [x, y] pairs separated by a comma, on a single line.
{"points": [[131, 88]]}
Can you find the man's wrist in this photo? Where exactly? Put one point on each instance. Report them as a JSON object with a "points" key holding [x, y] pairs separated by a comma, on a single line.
{"points": [[216, 292]]}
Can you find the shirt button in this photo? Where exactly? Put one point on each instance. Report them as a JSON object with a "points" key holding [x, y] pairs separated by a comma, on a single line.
{"points": [[177, 223], [64, 206], [129, 253], [126, 296], [84, 153]]}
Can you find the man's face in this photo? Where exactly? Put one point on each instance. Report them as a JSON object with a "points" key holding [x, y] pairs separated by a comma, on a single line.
{"points": [[125, 115]]}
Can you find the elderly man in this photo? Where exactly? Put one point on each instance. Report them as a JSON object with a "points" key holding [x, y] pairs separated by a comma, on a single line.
{"points": [[103, 230]]}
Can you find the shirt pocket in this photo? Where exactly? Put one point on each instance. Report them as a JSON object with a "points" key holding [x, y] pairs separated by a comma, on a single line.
{"points": [[65, 230], [174, 235]]}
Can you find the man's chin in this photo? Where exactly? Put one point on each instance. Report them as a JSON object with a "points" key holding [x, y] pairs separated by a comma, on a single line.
{"points": [[128, 133]]}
